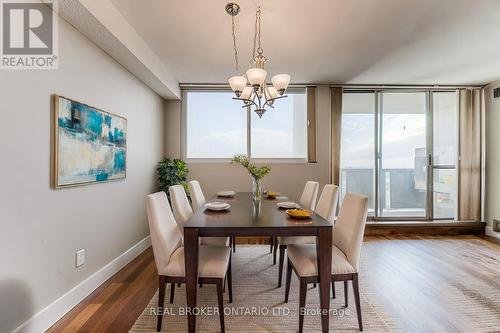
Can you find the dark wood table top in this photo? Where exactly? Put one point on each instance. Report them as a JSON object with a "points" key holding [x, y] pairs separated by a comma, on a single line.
{"points": [[244, 213]]}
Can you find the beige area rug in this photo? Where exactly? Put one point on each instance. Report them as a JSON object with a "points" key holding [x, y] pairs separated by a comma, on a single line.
{"points": [[258, 306]]}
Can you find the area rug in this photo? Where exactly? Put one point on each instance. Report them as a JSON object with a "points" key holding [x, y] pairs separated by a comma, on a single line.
{"points": [[258, 305]]}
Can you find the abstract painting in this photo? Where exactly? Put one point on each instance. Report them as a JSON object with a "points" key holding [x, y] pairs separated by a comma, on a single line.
{"points": [[90, 144]]}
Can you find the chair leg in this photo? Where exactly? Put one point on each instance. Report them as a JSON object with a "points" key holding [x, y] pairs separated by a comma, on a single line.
{"points": [[275, 249], [233, 241], [178, 284], [282, 259], [346, 290], [288, 279], [220, 299], [172, 291], [314, 285], [355, 287], [333, 289], [162, 284], [230, 282], [302, 303], [272, 245]]}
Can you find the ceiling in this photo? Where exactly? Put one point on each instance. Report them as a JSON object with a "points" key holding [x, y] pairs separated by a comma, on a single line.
{"points": [[327, 41]]}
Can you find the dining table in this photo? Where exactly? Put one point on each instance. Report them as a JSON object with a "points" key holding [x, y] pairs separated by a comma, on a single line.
{"points": [[250, 218]]}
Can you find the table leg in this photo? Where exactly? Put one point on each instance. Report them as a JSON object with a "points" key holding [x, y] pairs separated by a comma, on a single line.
{"points": [[324, 255], [191, 265]]}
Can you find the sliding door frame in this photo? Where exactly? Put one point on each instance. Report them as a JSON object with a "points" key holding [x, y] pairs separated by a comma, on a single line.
{"points": [[378, 154], [430, 167]]}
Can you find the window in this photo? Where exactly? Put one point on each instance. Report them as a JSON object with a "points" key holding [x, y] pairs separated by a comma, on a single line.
{"points": [[403, 154], [445, 153], [215, 125], [399, 148], [282, 131], [218, 127], [357, 161]]}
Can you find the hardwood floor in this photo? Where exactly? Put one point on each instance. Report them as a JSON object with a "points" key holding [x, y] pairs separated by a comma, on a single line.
{"points": [[115, 306], [417, 281]]}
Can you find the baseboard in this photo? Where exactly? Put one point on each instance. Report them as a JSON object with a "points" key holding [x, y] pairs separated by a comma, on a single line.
{"points": [[491, 233], [424, 228], [57, 309]]}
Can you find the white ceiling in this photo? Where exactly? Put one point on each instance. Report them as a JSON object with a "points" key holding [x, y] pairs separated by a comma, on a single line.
{"points": [[327, 41]]}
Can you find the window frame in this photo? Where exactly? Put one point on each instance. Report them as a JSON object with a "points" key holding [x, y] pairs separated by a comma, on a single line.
{"points": [[277, 160]]}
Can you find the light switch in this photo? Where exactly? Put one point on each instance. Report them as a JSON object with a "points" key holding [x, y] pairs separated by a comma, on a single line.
{"points": [[80, 257]]}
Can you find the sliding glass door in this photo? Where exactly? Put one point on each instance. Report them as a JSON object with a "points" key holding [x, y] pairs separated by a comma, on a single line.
{"points": [[445, 154], [357, 162], [399, 148], [402, 157]]}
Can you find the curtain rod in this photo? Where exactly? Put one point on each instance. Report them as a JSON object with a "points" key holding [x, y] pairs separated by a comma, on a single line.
{"points": [[404, 86], [347, 86], [225, 85]]}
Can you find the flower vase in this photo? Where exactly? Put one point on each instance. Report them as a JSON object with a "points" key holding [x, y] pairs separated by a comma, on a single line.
{"points": [[257, 189]]}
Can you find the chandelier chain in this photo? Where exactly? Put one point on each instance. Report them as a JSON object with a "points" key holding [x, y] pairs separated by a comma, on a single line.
{"points": [[256, 35], [260, 21], [236, 62]]}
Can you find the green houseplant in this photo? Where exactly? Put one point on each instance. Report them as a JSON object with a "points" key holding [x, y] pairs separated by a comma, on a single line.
{"points": [[257, 173], [172, 172]]}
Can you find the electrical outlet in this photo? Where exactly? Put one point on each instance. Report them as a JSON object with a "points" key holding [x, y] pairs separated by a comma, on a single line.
{"points": [[80, 257]]}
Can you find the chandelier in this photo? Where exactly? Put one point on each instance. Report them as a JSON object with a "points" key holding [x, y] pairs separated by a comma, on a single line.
{"points": [[252, 88]]}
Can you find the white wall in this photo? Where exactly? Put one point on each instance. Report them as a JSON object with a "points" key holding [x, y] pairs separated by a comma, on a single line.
{"points": [[288, 178], [492, 208], [41, 228]]}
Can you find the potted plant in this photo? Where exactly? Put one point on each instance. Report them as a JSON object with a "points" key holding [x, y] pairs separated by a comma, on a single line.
{"points": [[172, 172], [257, 173]]}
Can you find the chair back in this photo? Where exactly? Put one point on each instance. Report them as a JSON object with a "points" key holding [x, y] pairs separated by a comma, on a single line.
{"points": [[327, 203], [350, 227], [180, 205], [197, 197], [165, 235], [309, 195]]}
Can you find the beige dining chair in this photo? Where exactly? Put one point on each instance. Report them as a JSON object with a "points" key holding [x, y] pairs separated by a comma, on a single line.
{"points": [[346, 251], [307, 201], [309, 195], [198, 200], [214, 265], [197, 197], [326, 208], [183, 211]]}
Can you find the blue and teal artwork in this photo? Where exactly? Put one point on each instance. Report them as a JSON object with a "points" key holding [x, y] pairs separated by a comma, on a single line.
{"points": [[91, 145]]}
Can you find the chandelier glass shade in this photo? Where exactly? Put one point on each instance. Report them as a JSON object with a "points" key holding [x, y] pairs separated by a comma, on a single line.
{"points": [[251, 88]]}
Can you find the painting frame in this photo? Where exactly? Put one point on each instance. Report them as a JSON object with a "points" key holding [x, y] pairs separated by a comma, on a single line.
{"points": [[55, 138]]}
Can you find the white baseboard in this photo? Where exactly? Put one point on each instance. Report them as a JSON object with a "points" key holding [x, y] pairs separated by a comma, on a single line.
{"points": [[57, 309], [491, 233]]}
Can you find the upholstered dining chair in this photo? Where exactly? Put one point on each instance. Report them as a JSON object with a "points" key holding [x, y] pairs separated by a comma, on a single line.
{"points": [[309, 195], [346, 251], [197, 197], [326, 208], [307, 201], [183, 211], [198, 200], [214, 264]]}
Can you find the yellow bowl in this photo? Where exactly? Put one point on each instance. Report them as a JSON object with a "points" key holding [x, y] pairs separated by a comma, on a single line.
{"points": [[299, 213], [271, 194]]}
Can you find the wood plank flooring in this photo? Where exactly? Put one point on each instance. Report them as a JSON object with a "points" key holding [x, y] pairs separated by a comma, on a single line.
{"points": [[414, 277]]}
